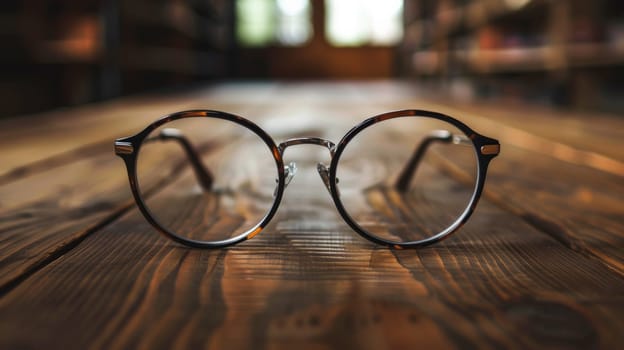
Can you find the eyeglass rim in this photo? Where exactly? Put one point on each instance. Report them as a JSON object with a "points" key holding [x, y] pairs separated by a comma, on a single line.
{"points": [[131, 164], [478, 141], [483, 160]]}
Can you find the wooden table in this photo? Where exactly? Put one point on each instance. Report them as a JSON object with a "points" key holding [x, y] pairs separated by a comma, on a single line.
{"points": [[540, 264]]}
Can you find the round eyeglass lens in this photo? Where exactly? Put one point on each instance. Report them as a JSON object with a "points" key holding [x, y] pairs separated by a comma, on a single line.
{"points": [[206, 179], [407, 179]]}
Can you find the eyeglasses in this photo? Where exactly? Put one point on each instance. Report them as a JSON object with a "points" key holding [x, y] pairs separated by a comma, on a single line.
{"points": [[210, 179]]}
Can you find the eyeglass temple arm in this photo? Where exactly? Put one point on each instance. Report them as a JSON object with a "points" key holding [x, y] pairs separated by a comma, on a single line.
{"points": [[407, 174], [204, 176]]}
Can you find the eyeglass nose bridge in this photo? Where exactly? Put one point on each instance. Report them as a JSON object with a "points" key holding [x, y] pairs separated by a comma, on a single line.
{"points": [[307, 141], [322, 169]]}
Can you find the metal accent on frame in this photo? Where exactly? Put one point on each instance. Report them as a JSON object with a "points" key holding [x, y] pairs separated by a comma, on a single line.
{"points": [[490, 149], [307, 140], [122, 147], [461, 140], [290, 171], [323, 170]]}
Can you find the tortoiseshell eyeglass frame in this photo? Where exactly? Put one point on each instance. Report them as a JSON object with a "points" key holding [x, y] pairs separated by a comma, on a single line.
{"points": [[484, 147]]}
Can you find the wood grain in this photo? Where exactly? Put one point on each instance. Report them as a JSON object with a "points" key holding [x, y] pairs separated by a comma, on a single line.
{"points": [[550, 184], [56, 194], [539, 264], [309, 279], [578, 205]]}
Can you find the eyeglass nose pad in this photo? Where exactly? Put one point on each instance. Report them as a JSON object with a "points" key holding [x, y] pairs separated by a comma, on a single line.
{"points": [[290, 171], [324, 173]]}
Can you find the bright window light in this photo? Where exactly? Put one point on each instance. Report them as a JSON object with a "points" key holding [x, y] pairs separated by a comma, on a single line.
{"points": [[294, 22], [255, 22], [266, 22], [292, 7], [360, 22]]}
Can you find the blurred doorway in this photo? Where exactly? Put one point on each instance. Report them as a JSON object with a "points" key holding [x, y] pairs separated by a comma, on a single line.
{"points": [[317, 39]]}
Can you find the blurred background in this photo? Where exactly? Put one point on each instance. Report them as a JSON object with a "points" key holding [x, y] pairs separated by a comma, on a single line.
{"points": [[563, 53]]}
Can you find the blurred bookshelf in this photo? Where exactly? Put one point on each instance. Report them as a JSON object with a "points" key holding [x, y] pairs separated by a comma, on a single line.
{"points": [[64, 52], [558, 52]]}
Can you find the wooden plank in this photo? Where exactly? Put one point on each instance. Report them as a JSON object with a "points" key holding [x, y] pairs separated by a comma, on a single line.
{"points": [[50, 206], [44, 213], [593, 140], [554, 185], [309, 281], [592, 131], [578, 206], [50, 139], [573, 202], [38, 142], [48, 213], [28, 139]]}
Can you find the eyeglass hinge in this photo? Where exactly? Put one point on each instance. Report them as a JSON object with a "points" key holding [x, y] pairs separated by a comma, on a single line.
{"points": [[122, 147]]}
